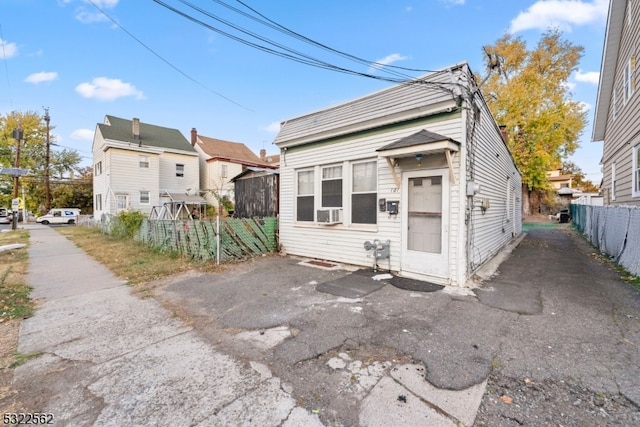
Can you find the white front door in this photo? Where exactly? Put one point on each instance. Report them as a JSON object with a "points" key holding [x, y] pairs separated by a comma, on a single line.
{"points": [[425, 219]]}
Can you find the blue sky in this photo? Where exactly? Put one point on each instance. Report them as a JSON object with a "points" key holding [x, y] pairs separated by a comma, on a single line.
{"points": [[143, 60]]}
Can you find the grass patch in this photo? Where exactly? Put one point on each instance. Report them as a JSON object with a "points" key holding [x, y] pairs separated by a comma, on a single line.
{"points": [[21, 359], [129, 260], [14, 291]]}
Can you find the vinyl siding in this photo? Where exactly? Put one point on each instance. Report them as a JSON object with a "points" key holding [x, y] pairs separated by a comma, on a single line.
{"points": [[126, 177], [168, 181], [493, 169], [355, 130], [344, 242], [621, 132]]}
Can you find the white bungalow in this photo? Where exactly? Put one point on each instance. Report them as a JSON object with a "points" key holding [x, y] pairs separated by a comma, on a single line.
{"points": [[422, 166]]}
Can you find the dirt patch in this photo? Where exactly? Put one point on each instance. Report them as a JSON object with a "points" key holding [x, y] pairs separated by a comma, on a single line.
{"points": [[522, 402]]}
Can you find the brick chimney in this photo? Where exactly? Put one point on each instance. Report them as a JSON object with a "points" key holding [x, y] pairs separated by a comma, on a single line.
{"points": [[194, 136], [135, 128], [263, 154], [504, 133]]}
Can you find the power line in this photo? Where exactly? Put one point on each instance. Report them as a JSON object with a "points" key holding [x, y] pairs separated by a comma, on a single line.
{"points": [[292, 54], [166, 61], [6, 66]]}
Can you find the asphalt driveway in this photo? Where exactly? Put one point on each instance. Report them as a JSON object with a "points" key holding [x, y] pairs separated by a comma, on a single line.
{"points": [[265, 343]]}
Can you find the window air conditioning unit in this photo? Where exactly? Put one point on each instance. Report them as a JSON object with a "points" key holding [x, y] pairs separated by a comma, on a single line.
{"points": [[329, 216]]}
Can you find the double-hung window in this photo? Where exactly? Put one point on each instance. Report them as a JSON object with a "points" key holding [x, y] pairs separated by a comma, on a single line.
{"points": [[144, 198], [97, 169], [305, 195], [636, 171], [179, 170], [364, 183], [613, 181], [143, 162], [332, 187]]}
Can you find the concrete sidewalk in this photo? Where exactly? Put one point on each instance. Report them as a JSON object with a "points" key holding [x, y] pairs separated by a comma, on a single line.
{"points": [[108, 358]]}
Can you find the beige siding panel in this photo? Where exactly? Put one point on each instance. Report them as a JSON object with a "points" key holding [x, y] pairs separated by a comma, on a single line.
{"points": [[169, 181], [621, 132]]}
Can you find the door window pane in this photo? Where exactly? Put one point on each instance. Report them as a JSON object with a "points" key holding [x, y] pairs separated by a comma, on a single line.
{"points": [[425, 215]]}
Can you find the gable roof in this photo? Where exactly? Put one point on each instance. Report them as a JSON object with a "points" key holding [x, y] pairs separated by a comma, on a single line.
{"points": [[117, 129], [613, 37], [430, 94], [219, 148]]}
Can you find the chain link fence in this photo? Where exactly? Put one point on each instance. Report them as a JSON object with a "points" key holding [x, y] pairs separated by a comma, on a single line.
{"points": [[614, 230]]}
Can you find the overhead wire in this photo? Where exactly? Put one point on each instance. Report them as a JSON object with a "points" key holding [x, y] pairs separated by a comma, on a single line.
{"points": [[165, 60], [292, 54]]}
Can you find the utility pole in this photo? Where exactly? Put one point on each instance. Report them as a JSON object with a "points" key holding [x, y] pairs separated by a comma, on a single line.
{"points": [[17, 135], [47, 188]]}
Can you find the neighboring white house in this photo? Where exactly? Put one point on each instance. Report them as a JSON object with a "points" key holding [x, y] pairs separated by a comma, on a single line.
{"points": [[220, 161], [138, 166], [617, 113], [422, 165]]}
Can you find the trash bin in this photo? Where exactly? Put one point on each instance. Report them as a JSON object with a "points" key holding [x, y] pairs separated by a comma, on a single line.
{"points": [[564, 217]]}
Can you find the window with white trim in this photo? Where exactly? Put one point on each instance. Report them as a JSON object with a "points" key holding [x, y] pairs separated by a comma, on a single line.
{"points": [[97, 169], [636, 171], [364, 192], [122, 202], [143, 162], [613, 181], [144, 198], [305, 198], [180, 170], [332, 187], [223, 171], [627, 81], [98, 202]]}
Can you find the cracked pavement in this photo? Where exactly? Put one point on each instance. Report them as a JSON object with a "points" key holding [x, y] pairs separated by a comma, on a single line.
{"points": [[258, 345]]}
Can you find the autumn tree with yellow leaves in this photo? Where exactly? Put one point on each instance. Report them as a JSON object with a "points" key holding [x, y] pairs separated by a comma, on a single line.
{"points": [[528, 92]]}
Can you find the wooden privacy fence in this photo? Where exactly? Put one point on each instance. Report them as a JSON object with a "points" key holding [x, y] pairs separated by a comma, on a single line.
{"points": [[238, 238]]}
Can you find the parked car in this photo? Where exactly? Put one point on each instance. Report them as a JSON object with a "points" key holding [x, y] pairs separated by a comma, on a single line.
{"points": [[60, 216]]}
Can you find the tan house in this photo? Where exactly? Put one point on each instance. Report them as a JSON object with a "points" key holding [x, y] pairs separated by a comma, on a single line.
{"points": [[617, 114], [222, 160], [559, 180]]}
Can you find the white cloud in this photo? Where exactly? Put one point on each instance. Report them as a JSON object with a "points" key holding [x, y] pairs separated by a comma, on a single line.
{"points": [[389, 59], [82, 134], [273, 127], [592, 77], [42, 76], [105, 89], [90, 14], [7, 50], [561, 14]]}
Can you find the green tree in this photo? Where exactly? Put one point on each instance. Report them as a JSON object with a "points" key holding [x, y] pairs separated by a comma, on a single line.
{"points": [[579, 179], [33, 158], [529, 95]]}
